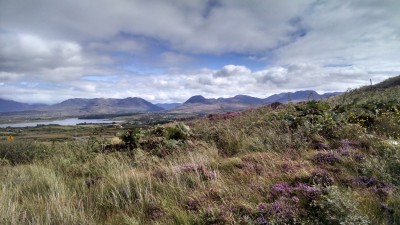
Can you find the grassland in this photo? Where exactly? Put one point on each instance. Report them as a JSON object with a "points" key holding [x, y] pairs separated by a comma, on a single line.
{"points": [[316, 162]]}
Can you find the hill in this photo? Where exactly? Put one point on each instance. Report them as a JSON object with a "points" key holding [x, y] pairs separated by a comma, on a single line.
{"points": [[314, 162], [13, 106], [297, 96], [388, 83], [81, 106]]}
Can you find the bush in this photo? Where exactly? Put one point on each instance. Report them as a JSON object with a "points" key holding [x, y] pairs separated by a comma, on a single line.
{"points": [[337, 207], [131, 138], [178, 132], [20, 152]]}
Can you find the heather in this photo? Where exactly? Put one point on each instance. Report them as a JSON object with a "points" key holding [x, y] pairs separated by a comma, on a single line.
{"points": [[314, 162]]}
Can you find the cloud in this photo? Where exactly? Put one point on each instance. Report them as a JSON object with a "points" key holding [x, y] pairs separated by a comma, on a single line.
{"points": [[365, 33], [178, 87], [191, 26], [232, 70], [168, 51], [24, 53], [6, 77]]}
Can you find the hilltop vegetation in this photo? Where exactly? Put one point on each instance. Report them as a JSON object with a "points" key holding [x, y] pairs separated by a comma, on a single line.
{"points": [[315, 162]]}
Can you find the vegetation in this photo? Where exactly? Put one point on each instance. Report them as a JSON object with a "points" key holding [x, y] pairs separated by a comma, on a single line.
{"points": [[315, 162]]}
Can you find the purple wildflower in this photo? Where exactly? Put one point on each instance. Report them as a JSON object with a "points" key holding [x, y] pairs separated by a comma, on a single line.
{"points": [[381, 188], [262, 221], [281, 189], [310, 192], [284, 210]]}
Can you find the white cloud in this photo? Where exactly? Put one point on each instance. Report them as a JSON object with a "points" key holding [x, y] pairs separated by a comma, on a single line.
{"points": [[24, 53], [179, 87], [364, 33], [59, 49]]}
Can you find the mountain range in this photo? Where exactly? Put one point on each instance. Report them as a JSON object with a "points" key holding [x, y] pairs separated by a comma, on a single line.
{"points": [[195, 104], [200, 104]]}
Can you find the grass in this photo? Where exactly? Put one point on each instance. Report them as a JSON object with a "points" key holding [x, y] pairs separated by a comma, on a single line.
{"points": [[329, 162]]}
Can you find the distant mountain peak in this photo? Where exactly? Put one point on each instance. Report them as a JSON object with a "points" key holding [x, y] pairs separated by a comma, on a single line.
{"points": [[197, 99]]}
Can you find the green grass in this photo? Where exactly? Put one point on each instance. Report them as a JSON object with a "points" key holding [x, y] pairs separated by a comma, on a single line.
{"points": [[333, 162]]}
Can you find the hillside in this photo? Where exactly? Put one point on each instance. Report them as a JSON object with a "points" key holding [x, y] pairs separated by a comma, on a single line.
{"points": [[13, 106], [314, 162], [388, 83]]}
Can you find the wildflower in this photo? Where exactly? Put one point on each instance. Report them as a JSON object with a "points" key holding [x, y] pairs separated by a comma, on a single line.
{"points": [[281, 189]]}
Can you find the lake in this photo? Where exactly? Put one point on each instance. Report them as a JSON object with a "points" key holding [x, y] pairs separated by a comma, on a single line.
{"points": [[64, 122]]}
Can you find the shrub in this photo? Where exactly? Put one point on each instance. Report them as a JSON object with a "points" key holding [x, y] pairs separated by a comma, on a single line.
{"points": [[131, 138], [20, 152], [178, 132], [228, 142], [337, 207]]}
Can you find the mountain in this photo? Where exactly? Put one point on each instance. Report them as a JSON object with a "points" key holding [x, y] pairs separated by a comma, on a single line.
{"points": [[200, 104], [198, 99], [298, 96], [82, 106], [14, 106], [168, 106]]}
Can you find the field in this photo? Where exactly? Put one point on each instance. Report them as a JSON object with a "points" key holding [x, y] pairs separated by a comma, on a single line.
{"points": [[316, 162]]}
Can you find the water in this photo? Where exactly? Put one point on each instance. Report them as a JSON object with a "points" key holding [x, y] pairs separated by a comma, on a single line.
{"points": [[64, 122]]}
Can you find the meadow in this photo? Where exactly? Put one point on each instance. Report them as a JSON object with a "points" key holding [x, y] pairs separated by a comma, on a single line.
{"points": [[317, 162]]}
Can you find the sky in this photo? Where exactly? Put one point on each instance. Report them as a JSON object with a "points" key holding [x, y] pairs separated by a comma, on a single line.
{"points": [[169, 50]]}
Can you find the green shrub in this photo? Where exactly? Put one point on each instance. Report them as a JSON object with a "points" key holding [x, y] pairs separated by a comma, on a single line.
{"points": [[338, 207], [17, 152], [131, 138], [229, 142], [178, 132]]}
